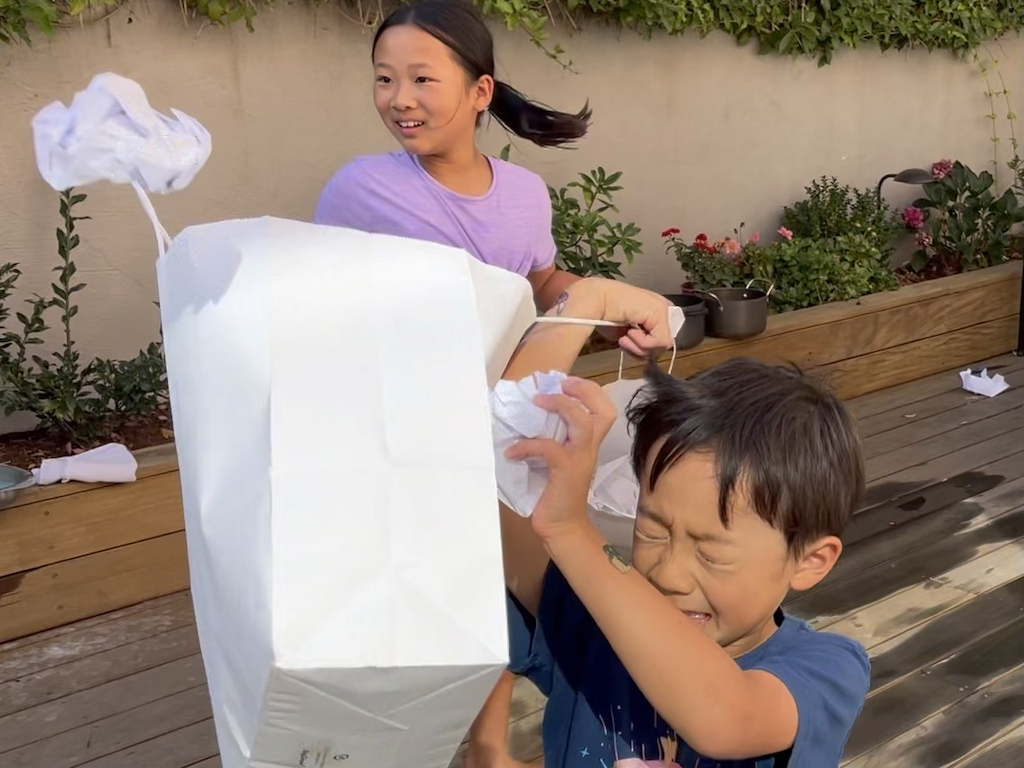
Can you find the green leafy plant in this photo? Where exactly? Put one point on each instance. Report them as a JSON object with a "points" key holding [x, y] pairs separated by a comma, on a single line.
{"points": [[809, 272], [961, 222], [588, 242], [812, 28], [17, 16], [831, 210], [805, 272], [74, 400]]}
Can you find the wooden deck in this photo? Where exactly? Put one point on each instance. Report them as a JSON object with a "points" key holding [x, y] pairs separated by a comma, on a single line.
{"points": [[931, 583]]}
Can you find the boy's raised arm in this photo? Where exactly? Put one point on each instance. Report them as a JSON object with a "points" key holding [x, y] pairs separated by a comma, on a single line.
{"points": [[556, 347]]}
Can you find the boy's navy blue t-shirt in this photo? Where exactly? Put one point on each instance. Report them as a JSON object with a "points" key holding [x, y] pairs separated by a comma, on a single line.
{"points": [[596, 717]]}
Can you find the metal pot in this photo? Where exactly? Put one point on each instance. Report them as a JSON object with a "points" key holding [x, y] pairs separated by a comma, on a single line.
{"points": [[737, 313], [694, 311]]}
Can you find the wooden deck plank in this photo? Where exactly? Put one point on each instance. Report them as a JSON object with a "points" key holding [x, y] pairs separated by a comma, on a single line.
{"points": [[917, 428], [94, 637], [124, 730], [951, 733], [924, 644], [902, 395], [907, 608], [885, 465], [93, 621], [1005, 751], [896, 541], [83, 707], [883, 489], [932, 497], [889, 565], [177, 749], [903, 706], [91, 671], [931, 406]]}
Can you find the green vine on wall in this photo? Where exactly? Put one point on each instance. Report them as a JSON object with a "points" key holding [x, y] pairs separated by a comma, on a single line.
{"points": [[815, 28]]}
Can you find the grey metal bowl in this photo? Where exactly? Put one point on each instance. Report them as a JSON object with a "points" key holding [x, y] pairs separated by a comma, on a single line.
{"points": [[13, 480]]}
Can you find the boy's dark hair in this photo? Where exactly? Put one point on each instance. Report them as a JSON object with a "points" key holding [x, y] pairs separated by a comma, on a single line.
{"points": [[783, 438], [460, 26]]}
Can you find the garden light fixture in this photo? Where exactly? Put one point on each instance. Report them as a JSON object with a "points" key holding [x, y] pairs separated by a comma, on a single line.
{"points": [[908, 176]]}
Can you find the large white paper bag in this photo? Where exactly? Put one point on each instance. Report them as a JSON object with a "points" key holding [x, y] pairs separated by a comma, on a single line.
{"points": [[330, 399]]}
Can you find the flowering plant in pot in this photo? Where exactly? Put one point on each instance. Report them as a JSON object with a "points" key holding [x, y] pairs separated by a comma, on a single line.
{"points": [[961, 223], [723, 271], [724, 263]]}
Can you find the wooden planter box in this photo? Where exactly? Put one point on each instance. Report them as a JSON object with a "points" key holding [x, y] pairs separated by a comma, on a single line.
{"points": [[68, 552], [873, 342], [75, 550]]}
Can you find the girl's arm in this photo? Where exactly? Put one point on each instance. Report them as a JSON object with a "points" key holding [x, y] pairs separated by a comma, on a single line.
{"points": [[548, 285], [488, 736]]}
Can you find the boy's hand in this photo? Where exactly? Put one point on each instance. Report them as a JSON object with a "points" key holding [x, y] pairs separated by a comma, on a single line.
{"points": [[589, 415]]}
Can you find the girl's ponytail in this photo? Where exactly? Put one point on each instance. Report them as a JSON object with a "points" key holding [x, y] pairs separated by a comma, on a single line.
{"points": [[533, 122]]}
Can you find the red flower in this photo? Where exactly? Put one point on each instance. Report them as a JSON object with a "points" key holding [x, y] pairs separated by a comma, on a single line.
{"points": [[670, 232], [701, 238]]}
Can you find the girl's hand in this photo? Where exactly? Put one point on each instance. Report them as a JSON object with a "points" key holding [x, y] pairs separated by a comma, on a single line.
{"points": [[645, 310], [589, 415]]}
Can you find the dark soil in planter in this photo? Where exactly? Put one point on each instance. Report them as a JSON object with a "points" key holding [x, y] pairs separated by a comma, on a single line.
{"points": [[28, 449], [935, 270]]}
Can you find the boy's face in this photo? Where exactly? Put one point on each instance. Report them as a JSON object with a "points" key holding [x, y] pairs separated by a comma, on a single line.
{"points": [[728, 580]]}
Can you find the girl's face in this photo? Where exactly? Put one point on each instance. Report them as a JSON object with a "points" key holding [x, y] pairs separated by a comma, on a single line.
{"points": [[423, 94]]}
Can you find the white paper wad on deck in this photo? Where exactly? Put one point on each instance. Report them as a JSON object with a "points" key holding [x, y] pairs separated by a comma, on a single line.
{"points": [[329, 391]]}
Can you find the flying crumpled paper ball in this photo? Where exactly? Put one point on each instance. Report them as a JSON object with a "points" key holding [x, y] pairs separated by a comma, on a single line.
{"points": [[111, 133]]}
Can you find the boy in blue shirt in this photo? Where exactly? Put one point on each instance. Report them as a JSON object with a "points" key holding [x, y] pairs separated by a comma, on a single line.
{"points": [[683, 657]]}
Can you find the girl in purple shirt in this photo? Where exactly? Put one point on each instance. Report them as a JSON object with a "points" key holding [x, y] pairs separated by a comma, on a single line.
{"points": [[434, 79]]}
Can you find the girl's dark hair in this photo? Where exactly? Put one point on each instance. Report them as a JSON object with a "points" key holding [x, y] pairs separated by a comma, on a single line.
{"points": [[777, 435], [461, 27]]}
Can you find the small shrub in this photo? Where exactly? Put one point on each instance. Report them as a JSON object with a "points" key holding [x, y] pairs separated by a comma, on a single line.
{"points": [[78, 402]]}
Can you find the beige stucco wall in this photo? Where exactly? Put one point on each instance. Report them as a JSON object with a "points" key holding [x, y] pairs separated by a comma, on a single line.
{"points": [[708, 134]]}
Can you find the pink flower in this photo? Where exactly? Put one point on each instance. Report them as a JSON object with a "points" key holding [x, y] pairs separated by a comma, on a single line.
{"points": [[754, 238], [785, 234], [941, 169], [731, 246], [670, 232], [913, 217], [923, 239]]}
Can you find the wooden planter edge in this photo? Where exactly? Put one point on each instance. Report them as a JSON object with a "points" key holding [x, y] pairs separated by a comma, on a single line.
{"points": [[1003, 278]]}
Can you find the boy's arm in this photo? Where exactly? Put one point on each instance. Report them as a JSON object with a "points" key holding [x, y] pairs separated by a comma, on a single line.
{"points": [[555, 347]]}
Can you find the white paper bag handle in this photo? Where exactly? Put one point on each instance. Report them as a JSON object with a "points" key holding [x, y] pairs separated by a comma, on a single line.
{"points": [[603, 323], [163, 240]]}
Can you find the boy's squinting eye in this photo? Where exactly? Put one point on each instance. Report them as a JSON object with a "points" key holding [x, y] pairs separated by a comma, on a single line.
{"points": [[647, 536]]}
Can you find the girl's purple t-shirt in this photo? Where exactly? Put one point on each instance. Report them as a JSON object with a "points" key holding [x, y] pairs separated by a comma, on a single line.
{"points": [[391, 194]]}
